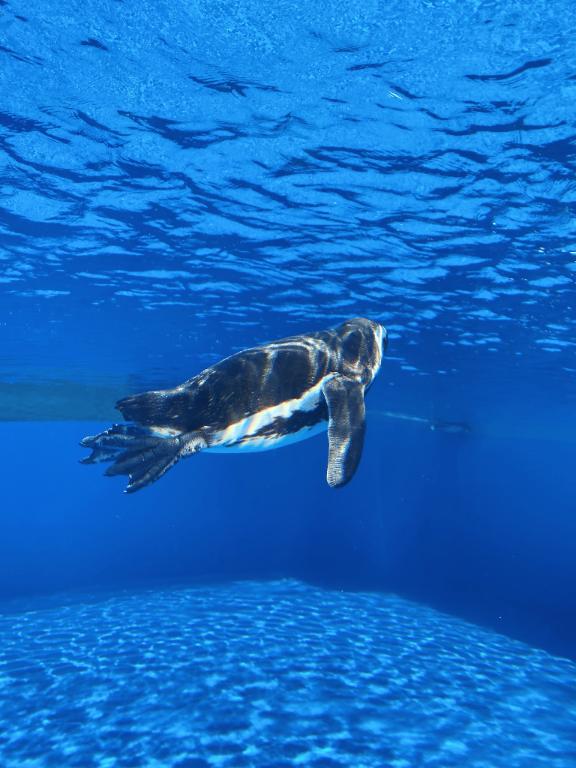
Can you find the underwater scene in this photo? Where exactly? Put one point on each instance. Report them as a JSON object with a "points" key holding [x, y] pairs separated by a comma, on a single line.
{"points": [[287, 384]]}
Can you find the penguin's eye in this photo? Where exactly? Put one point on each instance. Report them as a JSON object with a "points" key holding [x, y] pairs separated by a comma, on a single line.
{"points": [[353, 345]]}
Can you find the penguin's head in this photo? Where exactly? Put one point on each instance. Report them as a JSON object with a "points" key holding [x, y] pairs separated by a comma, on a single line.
{"points": [[363, 343]]}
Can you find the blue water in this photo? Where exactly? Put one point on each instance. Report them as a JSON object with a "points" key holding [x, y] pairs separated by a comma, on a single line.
{"points": [[181, 180], [276, 674]]}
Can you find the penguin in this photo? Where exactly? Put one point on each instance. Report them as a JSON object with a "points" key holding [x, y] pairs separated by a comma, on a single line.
{"points": [[258, 399]]}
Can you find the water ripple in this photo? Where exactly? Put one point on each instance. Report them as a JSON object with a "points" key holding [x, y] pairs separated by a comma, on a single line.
{"points": [[270, 169], [270, 674]]}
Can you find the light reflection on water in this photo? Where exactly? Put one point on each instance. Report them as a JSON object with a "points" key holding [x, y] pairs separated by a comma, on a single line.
{"points": [[182, 182]]}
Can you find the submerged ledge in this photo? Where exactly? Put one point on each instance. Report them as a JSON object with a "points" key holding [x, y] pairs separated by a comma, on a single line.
{"points": [[58, 401], [275, 674], [68, 400]]}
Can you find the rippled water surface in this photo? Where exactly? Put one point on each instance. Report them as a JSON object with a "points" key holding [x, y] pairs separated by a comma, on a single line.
{"points": [[184, 179]]}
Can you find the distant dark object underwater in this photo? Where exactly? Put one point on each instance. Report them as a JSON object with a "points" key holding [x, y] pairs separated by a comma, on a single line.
{"points": [[436, 425], [258, 399]]}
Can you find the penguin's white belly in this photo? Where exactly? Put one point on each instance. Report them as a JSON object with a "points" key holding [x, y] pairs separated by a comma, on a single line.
{"points": [[269, 442], [270, 428]]}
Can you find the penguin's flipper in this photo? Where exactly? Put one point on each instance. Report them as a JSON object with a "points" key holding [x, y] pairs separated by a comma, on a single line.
{"points": [[346, 426]]}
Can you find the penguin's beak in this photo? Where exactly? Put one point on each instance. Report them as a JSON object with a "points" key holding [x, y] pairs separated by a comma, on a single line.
{"points": [[384, 339]]}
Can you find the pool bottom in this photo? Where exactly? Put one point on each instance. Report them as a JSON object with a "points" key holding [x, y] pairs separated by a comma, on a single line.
{"points": [[274, 674]]}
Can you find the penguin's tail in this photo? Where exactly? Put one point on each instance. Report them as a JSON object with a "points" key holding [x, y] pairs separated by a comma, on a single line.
{"points": [[164, 406], [140, 452]]}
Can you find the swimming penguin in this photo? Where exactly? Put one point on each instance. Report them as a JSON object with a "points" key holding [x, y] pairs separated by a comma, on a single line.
{"points": [[261, 398]]}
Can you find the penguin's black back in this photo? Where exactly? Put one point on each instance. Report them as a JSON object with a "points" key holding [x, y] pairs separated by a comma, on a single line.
{"points": [[254, 379]]}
